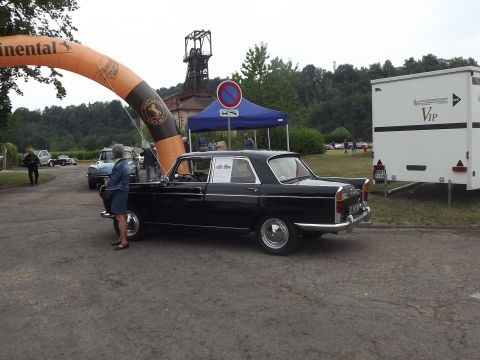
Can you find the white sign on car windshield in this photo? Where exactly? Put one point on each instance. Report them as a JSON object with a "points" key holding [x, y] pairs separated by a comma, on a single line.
{"points": [[223, 170]]}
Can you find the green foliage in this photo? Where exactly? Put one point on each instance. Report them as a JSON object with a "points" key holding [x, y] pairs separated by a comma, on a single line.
{"points": [[271, 84], [339, 135], [306, 141], [9, 128], [83, 127], [33, 17], [11, 155], [78, 154]]}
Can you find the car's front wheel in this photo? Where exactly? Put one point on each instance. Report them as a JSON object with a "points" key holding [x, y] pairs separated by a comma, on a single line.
{"points": [[51, 163], [135, 225], [276, 236]]}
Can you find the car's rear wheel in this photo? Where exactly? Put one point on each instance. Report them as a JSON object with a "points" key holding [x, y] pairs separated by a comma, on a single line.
{"points": [[51, 163], [276, 236], [135, 225]]}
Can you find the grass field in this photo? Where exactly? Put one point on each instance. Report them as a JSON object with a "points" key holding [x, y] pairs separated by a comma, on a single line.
{"points": [[20, 179], [426, 204]]}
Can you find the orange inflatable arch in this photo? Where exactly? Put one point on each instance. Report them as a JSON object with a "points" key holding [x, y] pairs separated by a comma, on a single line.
{"points": [[21, 50]]}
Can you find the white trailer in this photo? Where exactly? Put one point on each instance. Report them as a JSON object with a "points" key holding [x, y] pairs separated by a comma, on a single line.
{"points": [[426, 127]]}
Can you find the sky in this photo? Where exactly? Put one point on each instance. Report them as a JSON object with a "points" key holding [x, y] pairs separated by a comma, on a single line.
{"points": [[148, 37]]}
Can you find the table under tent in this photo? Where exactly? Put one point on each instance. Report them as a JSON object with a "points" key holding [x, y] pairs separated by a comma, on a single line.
{"points": [[251, 116]]}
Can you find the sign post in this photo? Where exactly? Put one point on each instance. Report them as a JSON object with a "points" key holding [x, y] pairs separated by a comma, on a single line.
{"points": [[229, 95]]}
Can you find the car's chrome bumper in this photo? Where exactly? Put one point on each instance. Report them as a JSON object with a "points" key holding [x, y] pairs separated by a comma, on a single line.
{"points": [[335, 228]]}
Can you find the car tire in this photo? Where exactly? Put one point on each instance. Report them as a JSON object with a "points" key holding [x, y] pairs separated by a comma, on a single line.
{"points": [[135, 225], [51, 163], [64, 163], [276, 236]]}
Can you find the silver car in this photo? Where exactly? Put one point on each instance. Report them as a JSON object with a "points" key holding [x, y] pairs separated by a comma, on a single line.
{"points": [[45, 157]]}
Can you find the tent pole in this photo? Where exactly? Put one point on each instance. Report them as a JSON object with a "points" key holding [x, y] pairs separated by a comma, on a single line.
{"points": [[255, 137], [190, 139], [229, 136], [268, 135], [288, 138]]}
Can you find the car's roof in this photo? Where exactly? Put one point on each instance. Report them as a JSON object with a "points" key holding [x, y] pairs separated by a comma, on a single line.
{"points": [[252, 154]]}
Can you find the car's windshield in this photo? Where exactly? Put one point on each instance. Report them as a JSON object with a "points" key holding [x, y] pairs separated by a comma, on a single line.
{"points": [[287, 168]]}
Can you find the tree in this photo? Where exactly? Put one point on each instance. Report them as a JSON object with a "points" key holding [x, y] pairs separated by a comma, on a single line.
{"points": [[311, 86], [271, 84], [253, 71], [340, 134], [33, 17]]}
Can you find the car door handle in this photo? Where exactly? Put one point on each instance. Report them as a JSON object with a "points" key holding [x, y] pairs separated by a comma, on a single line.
{"points": [[198, 189], [252, 189]]}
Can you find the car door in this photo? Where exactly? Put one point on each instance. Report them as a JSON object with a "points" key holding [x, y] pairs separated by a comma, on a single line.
{"points": [[180, 200], [233, 193]]}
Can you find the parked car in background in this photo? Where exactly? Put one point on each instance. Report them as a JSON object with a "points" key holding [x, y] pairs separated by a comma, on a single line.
{"points": [[271, 193], [101, 170], [64, 160], [44, 156]]}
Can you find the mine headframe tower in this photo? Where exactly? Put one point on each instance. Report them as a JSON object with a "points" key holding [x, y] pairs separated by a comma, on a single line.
{"points": [[198, 49]]}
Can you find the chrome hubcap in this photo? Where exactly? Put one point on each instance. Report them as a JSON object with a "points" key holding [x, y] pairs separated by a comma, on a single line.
{"points": [[133, 224], [274, 233]]}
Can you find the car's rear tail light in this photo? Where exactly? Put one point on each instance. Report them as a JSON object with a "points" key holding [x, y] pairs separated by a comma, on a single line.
{"points": [[338, 204], [365, 189]]}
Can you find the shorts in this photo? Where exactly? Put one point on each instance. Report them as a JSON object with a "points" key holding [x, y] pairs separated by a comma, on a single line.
{"points": [[119, 202]]}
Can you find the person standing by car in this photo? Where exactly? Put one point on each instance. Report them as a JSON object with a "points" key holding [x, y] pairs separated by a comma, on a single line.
{"points": [[32, 162], [345, 146], [118, 184], [150, 162]]}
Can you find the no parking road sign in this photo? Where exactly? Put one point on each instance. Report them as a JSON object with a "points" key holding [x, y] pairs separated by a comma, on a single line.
{"points": [[229, 94]]}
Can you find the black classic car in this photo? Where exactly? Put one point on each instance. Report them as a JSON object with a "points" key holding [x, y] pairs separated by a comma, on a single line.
{"points": [[65, 160], [273, 193]]}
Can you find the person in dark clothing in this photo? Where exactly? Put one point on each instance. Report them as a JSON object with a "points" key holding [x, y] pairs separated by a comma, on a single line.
{"points": [[248, 142], [150, 162], [118, 184], [32, 162]]}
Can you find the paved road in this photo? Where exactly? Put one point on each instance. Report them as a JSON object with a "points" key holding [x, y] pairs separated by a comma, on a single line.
{"points": [[372, 294]]}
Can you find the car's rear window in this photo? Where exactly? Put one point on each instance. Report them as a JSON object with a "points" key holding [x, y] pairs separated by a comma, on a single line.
{"points": [[288, 168]]}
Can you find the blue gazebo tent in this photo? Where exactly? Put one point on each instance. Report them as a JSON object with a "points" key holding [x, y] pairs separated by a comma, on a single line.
{"points": [[251, 116]]}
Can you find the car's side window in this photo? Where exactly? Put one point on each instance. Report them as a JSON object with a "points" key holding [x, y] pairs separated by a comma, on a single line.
{"points": [[192, 170], [233, 170]]}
